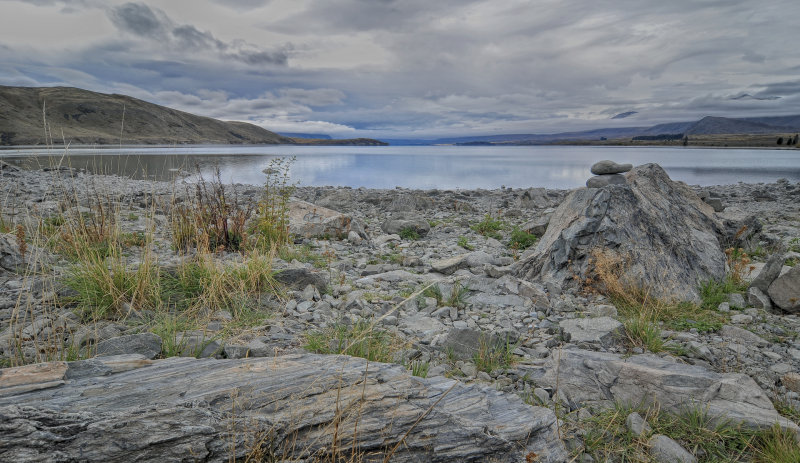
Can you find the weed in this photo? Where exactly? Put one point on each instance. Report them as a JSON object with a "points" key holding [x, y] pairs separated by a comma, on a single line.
{"points": [[462, 241], [520, 239], [420, 368], [106, 287], [435, 292], [494, 355], [643, 332], [213, 220], [458, 295], [272, 228], [776, 445], [713, 292], [488, 227], [409, 233], [358, 340]]}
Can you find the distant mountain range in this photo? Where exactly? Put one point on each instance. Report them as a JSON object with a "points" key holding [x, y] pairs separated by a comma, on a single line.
{"points": [[80, 116], [709, 125]]}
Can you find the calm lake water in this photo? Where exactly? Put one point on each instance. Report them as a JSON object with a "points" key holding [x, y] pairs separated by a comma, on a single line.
{"points": [[425, 167]]}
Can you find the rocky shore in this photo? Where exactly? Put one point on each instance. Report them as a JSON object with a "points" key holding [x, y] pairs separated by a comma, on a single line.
{"points": [[452, 277]]}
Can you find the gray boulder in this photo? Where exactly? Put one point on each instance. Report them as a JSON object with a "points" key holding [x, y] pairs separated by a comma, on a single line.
{"points": [[769, 273], [308, 220], [758, 299], [146, 344], [288, 408], [585, 376], [601, 331], [610, 167], [661, 230], [785, 291], [600, 181], [405, 221], [298, 278], [665, 450]]}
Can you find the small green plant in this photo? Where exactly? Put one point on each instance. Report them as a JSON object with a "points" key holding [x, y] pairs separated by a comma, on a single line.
{"points": [[462, 241], [458, 295], [493, 355], [643, 332], [435, 292], [420, 368], [361, 339], [794, 244], [409, 233], [520, 239], [488, 227]]}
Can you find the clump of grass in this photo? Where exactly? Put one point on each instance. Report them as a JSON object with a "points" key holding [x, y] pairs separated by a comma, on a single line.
{"points": [[489, 227], [458, 295], [420, 368], [710, 438], [462, 242], [520, 239], [641, 312], [272, 227], [494, 355], [435, 292], [205, 283], [212, 219], [409, 233], [106, 287], [361, 339]]}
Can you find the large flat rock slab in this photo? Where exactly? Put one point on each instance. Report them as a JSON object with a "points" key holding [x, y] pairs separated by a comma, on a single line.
{"points": [[183, 409]]}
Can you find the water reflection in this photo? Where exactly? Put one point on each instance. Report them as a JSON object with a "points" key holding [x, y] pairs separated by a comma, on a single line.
{"points": [[443, 167]]}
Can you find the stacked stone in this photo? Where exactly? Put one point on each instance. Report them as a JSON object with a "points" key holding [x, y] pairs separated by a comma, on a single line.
{"points": [[608, 173]]}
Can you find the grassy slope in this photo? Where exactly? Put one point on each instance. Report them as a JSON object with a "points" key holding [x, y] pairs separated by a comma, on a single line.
{"points": [[90, 117]]}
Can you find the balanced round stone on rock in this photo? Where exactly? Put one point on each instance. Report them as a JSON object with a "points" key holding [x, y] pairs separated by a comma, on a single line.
{"points": [[610, 167]]}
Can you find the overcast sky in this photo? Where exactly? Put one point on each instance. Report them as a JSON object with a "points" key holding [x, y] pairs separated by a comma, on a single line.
{"points": [[417, 68]]}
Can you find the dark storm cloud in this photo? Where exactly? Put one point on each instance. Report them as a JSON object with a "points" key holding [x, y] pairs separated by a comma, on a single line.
{"points": [[154, 25], [138, 19]]}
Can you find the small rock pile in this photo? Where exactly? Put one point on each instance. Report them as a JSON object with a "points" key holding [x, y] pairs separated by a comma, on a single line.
{"points": [[608, 173]]}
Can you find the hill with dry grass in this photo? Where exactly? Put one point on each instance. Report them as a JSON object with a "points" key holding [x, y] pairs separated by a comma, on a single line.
{"points": [[77, 116]]}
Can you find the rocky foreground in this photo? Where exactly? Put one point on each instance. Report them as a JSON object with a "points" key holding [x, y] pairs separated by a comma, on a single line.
{"points": [[377, 255]]}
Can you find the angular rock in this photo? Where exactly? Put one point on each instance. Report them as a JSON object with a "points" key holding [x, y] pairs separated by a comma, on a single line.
{"points": [[742, 335], [218, 410], [585, 376], [637, 425], [298, 278], [465, 343], [603, 331], [740, 228], [663, 233], [600, 181], [665, 450], [758, 299], [400, 222], [769, 273], [610, 167], [308, 220], [537, 226], [785, 291], [146, 344]]}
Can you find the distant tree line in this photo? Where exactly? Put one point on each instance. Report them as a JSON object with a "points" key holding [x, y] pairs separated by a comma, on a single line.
{"points": [[789, 140], [661, 136]]}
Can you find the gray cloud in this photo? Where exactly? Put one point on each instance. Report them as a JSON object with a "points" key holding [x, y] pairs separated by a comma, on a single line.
{"points": [[154, 25], [138, 19]]}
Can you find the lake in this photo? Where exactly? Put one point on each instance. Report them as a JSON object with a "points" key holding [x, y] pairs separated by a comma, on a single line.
{"points": [[424, 167]]}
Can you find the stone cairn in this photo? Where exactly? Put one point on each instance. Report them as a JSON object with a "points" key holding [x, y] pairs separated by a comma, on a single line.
{"points": [[608, 173]]}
